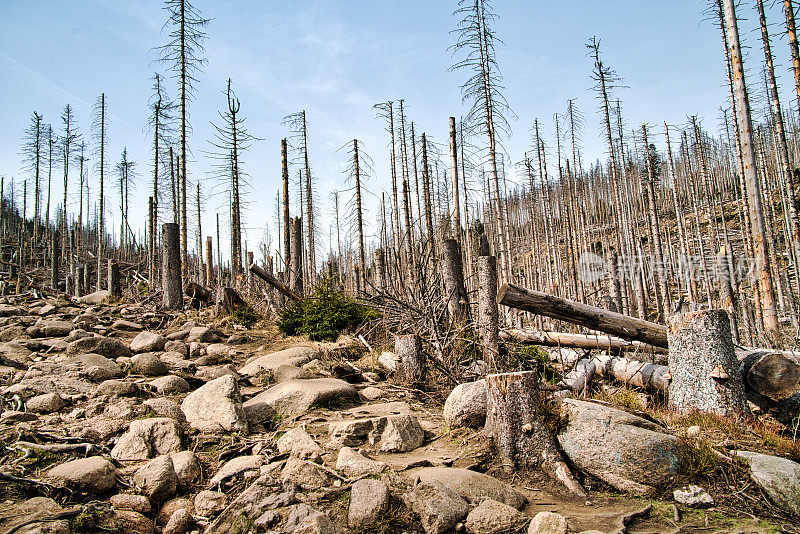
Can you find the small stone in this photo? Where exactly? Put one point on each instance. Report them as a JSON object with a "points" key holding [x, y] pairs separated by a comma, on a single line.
{"points": [[187, 467], [171, 506], [300, 444], [209, 503], [285, 372], [372, 393], [548, 523], [353, 464], [93, 474], [130, 522], [116, 388], [147, 342], [202, 334], [170, 385], [369, 501], [693, 496], [235, 466], [175, 345], [179, 522], [147, 438], [466, 405], [693, 431], [166, 408], [492, 517], [303, 472], [216, 406], [130, 501], [148, 364], [47, 403], [438, 507], [157, 479]]}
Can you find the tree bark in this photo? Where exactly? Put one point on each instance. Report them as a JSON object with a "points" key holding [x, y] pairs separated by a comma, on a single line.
{"points": [[453, 276], [114, 288], [704, 368], [274, 282], [488, 314], [296, 263], [577, 341], [517, 423], [582, 314], [410, 359], [171, 267], [209, 262]]}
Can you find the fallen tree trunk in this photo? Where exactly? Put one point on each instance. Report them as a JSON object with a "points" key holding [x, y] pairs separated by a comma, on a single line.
{"points": [[198, 294], [773, 374], [576, 341], [582, 314], [274, 282]]}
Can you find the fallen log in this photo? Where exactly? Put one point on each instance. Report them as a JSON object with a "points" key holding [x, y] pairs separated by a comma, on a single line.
{"points": [[592, 317], [576, 341], [198, 294], [274, 282], [773, 374]]}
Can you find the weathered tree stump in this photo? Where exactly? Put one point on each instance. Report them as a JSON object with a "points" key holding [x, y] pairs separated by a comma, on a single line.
{"points": [[453, 277], [228, 299], [114, 285], [488, 314], [79, 279], [198, 294], [380, 270], [410, 359], [516, 423], [705, 371], [171, 267]]}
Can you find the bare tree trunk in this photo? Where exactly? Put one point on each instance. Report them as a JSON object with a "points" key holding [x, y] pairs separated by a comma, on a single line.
{"points": [[296, 254], [171, 271], [287, 240], [454, 174], [770, 315], [209, 262], [488, 314], [453, 276], [114, 287]]}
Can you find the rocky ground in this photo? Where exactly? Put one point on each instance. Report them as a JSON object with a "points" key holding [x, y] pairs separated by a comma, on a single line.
{"points": [[119, 418]]}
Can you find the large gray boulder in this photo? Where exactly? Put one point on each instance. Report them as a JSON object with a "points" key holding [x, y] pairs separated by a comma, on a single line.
{"points": [[778, 477], [96, 367], [111, 348], [148, 364], [627, 452], [216, 406], [148, 438], [466, 405], [94, 474], [293, 356], [438, 506], [147, 342], [391, 433], [299, 443], [353, 464], [295, 397], [472, 486]]}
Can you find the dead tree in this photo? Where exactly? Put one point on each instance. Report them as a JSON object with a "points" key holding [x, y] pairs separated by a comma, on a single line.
{"points": [[705, 371], [171, 273], [517, 422], [488, 314], [114, 284], [453, 277], [99, 126], [296, 255]]}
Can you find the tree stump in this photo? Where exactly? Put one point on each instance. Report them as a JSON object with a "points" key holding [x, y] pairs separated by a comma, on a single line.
{"points": [[705, 371], [488, 314], [171, 267], [453, 276], [228, 299], [410, 359], [114, 286], [516, 423]]}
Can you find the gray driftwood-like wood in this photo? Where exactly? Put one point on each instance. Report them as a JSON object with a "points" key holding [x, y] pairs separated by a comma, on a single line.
{"points": [[516, 424], [114, 286], [410, 359], [453, 276], [705, 371], [171, 267], [592, 317], [274, 282], [577, 341], [488, 315]]}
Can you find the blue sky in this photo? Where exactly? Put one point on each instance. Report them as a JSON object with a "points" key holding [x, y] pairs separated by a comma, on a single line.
{"points": [[335, 59]]}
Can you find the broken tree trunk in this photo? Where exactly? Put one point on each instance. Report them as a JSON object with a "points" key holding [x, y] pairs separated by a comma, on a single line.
{"points": [[704, 368], [453, 276], [410, 359], [114, 287], [54, 257], [582, 314], [577, 380], [775, 375], [516, 421], [274, 282], [199, 294], [228, 299], [209, 262], [576, 341], [488, 315], [296, 257], [171, 267]]}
